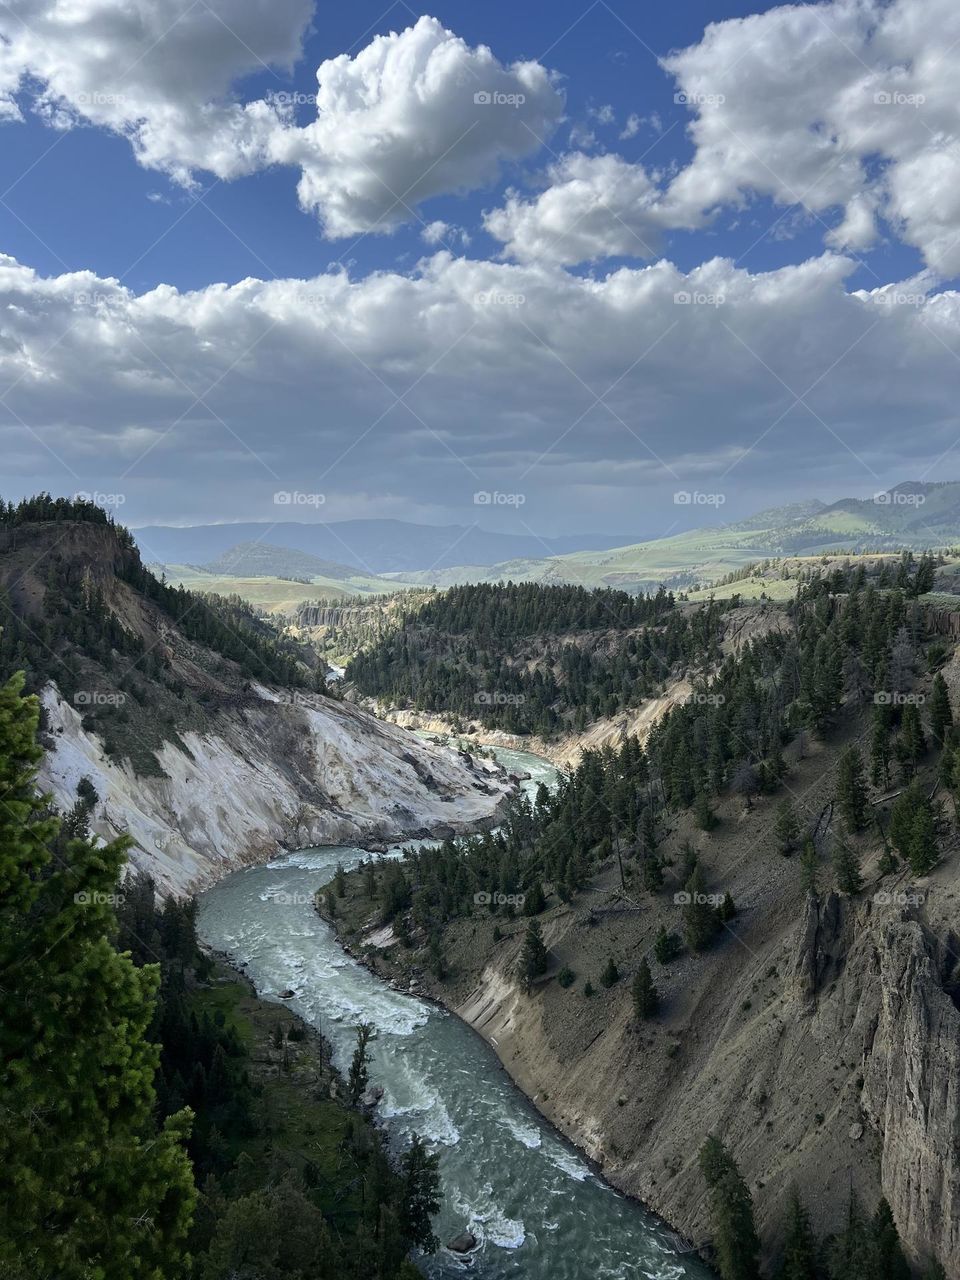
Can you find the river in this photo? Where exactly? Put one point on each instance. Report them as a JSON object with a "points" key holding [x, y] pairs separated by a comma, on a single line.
{"points": [[536, 1206]]}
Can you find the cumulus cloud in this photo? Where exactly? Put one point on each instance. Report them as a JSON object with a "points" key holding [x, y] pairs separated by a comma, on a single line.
{"points": [[158, 72], [622, 390], [594, 207], [415, 114], [851, 104]]}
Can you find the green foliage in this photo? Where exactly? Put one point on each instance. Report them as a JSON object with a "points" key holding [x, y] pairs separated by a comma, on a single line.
{"points": [[358, 1076], [786, 828], [91, 1186], [852, 789], [610, 975], [700, 921], [566, 977], [941, 713], [503, 653], [799, 1261], [667, 946], [735, 1242], [810, 867], [533, 955], [420, 1174], [646, 998], [846, 868]]}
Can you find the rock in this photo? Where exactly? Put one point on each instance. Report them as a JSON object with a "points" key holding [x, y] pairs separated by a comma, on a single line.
{"points": [[466, 1242], [373, 1095], [856, 1132], [287, 995]]}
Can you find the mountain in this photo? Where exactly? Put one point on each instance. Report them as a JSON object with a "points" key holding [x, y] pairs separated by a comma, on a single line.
{"points": [[912, 515], [367, 546], [263, 559], [198, 725]]}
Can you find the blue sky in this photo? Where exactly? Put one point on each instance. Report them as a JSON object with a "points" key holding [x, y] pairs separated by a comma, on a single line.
{"points": [[78, 200], [447, 298]]}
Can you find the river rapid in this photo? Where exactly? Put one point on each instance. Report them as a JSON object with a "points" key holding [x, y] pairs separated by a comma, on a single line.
{"points": [[534, 1203]]}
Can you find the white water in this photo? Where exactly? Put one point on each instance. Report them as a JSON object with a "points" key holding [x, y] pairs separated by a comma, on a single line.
{"points": [[531, 1200]]}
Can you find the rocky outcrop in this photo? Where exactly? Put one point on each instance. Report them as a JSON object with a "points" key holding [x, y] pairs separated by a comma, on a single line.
{"points": [[284, 769]]}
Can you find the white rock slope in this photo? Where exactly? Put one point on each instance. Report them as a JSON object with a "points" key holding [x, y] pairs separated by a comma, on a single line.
{"points": [[289, 770]]}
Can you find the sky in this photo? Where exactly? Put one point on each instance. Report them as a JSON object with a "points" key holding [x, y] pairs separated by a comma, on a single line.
{"points": [[554, 268]]}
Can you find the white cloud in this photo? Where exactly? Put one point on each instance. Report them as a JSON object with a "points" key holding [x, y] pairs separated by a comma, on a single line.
{"points": [[159, 72], [850, 104], [415, 113], [443, 233], [594, 207], [262, 386], [632, 126]]}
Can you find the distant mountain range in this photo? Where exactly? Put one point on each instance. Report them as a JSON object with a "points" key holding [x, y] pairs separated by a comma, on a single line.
{"points": [[914, 515], [366, 546]]}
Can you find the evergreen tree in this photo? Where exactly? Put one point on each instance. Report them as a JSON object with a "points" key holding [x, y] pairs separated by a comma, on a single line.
{"points": [[852, 790], [340, 881], [888, 1262], [880, 751], [533, 955], [699, 917], [810, 867], [646, 998], [667, 946], [941, 713], [610, 975], [420, 1173], [90, 1187], [846, 868], [922, 849], [911, 743], [358, 1076], [735, 1242], [786, 828], [850, 1254], [799, 1260]]}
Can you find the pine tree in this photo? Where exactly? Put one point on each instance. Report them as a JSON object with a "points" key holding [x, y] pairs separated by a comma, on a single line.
{"points": [[852, 790], [703, 814], [810, 867], [846, 868], [358, 1076], [667, 946], [941, 713], [850, 1253], [699, 917], [610, 975], [420, 1173], [880, 747], [646, 998], [786, 828], [799, 1260], [533, 955], [89, 1184], [735, 1242], [911, 743], [922, 848], [888, 1261], [340, 881]]}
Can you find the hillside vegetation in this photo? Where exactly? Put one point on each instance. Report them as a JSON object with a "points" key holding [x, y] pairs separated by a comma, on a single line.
{"points": [[746, 926]]}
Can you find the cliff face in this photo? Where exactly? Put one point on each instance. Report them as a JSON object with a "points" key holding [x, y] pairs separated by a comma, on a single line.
{"points": [[293, 769], [839, 1072]]}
